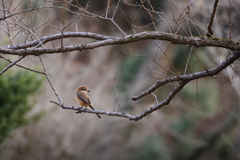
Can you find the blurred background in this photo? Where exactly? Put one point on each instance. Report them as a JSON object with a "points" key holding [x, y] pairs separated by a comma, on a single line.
{"points": [[201, 122]]}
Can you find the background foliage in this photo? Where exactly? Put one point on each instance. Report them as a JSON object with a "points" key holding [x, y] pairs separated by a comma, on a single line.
{"points": [[189, 122], [16, 92]]}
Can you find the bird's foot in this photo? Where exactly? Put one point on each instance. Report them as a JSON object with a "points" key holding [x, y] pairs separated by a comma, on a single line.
{"points": [[80, 109]]}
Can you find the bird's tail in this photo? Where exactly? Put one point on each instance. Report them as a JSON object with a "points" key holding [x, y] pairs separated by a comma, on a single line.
{"points": [[94, 109]]}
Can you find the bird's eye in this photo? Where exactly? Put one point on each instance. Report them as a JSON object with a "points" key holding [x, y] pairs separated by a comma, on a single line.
{"points": [[84, 89]]}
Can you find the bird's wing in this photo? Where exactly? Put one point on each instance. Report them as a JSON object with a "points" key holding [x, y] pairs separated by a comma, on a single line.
{"points": [[89, 102], [84, 99]]}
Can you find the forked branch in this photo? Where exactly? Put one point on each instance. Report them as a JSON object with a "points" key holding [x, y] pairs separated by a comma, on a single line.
{"points": [[183, 80]]}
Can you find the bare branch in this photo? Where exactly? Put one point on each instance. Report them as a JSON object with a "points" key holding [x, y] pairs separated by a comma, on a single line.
{"points": [[22, 66], [114, 87], [117, 26], [54, 90], [115, 9], [230, 22], [22, 22], [83, 110], [174, 39], [183, 80], [187, 64], [12, 64], [210, 20], [32, 9], [155, 97], [59, 36], [190, 77], [107, 9], [125, 115], [30, 32]]}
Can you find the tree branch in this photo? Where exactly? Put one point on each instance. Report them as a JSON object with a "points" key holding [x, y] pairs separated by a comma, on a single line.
{"points": [[183, 80], [80, 110], [44, 69], [125, 115], [59, 36], [174, 39], [22, 66], [214, 71], [12, 64], [210, 20]]}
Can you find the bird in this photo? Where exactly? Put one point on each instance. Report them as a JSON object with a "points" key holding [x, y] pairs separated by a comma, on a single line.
{"points": [[83, 99]]}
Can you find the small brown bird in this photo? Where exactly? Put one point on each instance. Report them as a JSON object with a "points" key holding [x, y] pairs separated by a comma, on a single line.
{"points": [[83, 99]]}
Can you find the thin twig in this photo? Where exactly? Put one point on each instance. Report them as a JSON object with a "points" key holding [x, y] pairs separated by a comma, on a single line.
{"points": [[117, 97], [155, 98], [230, 22], [159, 64], [189, 77], [49, 81], [158, 73], [114, 87], [183, 80], [125, 115], [127, 20], [12, 64], [197, 91], [199, 59], [187, 64], [22, 66], [115, 9], [107, 9], [210, 20]]}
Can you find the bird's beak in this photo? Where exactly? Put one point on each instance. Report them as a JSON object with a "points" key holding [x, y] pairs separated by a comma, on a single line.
{"points": [[88, 90]]}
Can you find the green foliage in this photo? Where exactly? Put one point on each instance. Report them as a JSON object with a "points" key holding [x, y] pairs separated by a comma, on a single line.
{"points": [[150, 150], [128, 70], [208, 95], [224, 148], [195, 62], [15, 90]]}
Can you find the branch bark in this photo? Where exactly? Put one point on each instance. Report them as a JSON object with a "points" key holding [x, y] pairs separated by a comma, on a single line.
{"points": [[190, 77], [183, 80], [12, 64], [210, 20], [107, 40]]}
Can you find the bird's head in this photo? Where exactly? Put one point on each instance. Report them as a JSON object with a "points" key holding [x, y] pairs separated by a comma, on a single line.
{"points": [[83, 89]]}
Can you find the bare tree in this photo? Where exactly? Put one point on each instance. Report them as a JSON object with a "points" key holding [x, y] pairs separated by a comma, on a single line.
{"points": [[209, 29], [179, 24]]}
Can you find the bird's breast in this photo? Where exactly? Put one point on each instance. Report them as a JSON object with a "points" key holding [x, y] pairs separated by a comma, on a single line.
{"points": [[82, 103]]}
